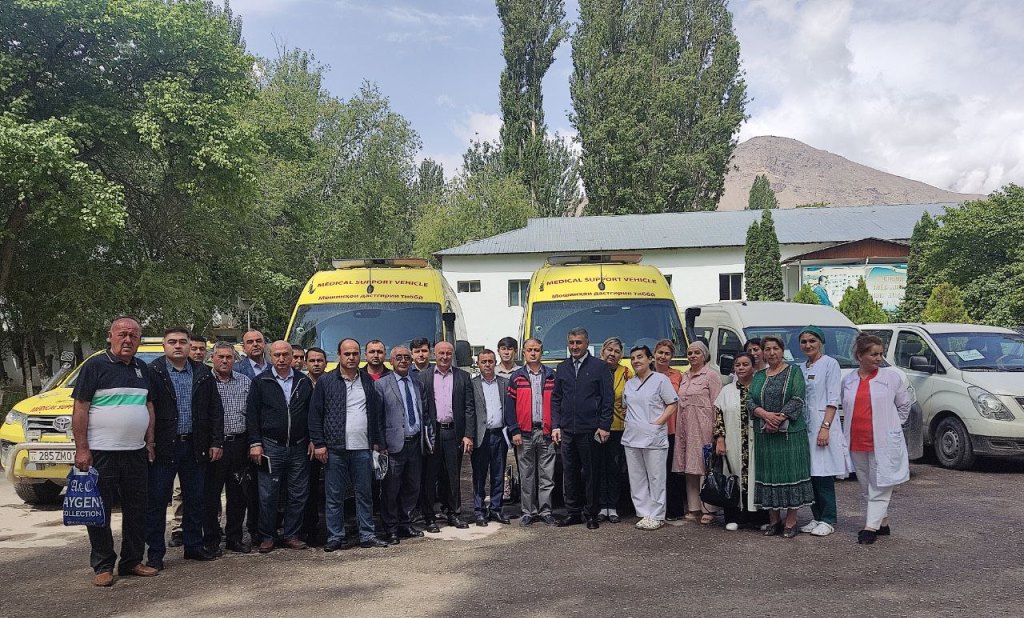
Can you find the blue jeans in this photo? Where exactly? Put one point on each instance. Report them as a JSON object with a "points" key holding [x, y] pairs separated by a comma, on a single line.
{"points": [[488, 461], [343, 466], [192, 475], [290, 465]]}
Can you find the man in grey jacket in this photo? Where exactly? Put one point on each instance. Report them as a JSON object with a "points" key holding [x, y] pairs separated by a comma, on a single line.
{"points": [[490, 449]]}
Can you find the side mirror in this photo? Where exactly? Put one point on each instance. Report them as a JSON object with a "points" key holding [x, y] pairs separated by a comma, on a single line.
{"points": [[463, 353], [922, 364], [448, 317], [725, 363]]}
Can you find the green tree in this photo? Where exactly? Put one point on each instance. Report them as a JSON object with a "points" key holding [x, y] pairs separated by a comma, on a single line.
{"points": [[858, 305], [806, 296], [762, 261], [919, 286], [976, 247], [658, 98], [945, 304], [761, 195]]}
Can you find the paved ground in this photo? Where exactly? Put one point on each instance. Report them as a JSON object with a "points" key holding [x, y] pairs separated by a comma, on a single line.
{"points": [[957, 549]]}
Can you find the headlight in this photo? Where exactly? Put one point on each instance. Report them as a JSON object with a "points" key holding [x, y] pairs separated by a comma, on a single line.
{"points": [[15, 418], [989, 406]]}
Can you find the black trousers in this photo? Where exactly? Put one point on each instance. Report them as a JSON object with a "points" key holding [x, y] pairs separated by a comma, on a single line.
{"points": [[443, 476], [675, 485], [124, 476], [252, 501], [401, 485], [311, 518], [228, 474], [581, 473]]}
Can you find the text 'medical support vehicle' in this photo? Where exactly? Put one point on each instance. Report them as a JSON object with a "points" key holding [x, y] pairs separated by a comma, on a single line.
{"points": [[970, 383], [395, 300]]}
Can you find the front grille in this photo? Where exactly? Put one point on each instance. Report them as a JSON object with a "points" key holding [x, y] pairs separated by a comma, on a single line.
{"points": [[44, 425]]}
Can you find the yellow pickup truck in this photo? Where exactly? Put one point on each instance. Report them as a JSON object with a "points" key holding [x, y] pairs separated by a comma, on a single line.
{"points": [[36, 445]]}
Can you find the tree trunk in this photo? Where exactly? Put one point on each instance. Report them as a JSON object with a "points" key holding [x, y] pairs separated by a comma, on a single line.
{"points": [[8, 238], [26, 367]]}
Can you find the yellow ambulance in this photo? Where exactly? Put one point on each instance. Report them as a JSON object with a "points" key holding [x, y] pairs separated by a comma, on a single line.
{"points": [[610, 295], [395, 300]]}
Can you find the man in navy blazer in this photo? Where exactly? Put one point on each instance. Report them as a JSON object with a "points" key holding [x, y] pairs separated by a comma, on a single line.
{"points": [[581, 418], [406, 437]]}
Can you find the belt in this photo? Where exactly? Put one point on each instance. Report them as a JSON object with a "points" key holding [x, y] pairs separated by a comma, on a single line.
{"points": [[231, 437], [538, 425], [185, 437], [498, 430], [447, 425], [413, 438]]}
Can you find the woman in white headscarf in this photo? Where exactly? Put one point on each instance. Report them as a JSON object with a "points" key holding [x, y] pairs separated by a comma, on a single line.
{"points": [[695, 426]]}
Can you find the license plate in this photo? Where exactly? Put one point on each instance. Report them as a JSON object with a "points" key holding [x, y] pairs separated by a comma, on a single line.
{"points": [[54, 457]]}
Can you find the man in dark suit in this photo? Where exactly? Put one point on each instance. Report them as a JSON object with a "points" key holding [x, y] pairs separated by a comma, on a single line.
{"points": [[406, 438], [255, 362], [581, 417], [491, 449], [451, 407], [189, 434]]}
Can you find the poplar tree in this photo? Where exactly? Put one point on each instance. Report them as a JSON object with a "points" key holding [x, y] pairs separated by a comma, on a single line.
{"points": [[761, 195]]}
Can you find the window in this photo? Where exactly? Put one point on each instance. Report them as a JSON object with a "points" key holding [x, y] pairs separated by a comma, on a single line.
{"points": [[517, 290], [911, 344], [668, 279], [885, 335], [730, 286], [728, 343], [469, 286]]}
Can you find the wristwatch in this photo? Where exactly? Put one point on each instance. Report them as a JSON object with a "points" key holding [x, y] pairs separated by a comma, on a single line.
{"points": [[825, 424]]}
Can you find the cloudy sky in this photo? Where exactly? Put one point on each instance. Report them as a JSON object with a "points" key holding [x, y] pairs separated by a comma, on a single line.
{"points": [[931, 90]]}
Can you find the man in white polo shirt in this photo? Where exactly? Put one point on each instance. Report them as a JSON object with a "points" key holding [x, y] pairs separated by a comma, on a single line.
{"points": [[113, 423]]}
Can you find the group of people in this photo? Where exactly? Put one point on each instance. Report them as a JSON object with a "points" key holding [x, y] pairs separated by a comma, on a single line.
{"points": [[274, 433]]}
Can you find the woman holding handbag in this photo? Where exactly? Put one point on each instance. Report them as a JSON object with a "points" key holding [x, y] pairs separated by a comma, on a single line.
{"points": [[695, 424], [650, 402], [782, 467], [879, 403], [734, 440]]}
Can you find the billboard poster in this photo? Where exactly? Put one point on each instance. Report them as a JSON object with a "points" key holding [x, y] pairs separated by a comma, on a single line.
{"points": [[885, 282]]}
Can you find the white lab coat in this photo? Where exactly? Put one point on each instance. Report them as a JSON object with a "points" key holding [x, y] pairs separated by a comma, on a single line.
{"points": [[890, 407], [824, 382]]}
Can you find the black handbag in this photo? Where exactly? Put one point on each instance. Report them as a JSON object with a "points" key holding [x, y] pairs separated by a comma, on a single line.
{"points": [[720, 489]]}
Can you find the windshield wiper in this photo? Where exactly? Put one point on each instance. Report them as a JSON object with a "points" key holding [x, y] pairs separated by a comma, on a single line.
{"points": [[980, 368]]}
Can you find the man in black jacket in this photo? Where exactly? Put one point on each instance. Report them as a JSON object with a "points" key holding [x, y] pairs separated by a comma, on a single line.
{"points": [[276, 415], [581, 418], [451, 407], [189, 433], [345, 425]]}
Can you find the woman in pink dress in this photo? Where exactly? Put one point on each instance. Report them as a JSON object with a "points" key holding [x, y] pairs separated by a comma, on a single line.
{"points": [[695, 426]]}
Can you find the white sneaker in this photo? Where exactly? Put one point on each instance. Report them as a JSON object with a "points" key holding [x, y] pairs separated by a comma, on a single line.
{"points": [[810, 526], [732, 526], [655, 524], [822, 529], [643, 523]]}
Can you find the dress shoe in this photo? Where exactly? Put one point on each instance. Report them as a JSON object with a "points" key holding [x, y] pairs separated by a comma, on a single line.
{"points": [[498, 517], [140, 570], [431, 526], [525, 520], [884, 531], [103, 579], [592, 524], [613, 518], [266, 547], [390, 539], [571, 520], [334, 545], [295, 544], [867, 537], [549, 520], [241, 547], [480, 520], [155, 564], [215, 550], [409, 533], [177, 540], [199, 554], [374, 542], [455, 522]]}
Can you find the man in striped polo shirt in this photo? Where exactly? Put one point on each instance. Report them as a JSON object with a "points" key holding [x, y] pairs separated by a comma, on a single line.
{"points": [[113, 423]]}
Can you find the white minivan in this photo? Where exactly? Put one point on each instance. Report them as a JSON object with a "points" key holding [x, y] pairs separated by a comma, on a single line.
{"points": [[970, 384], [726, 326]]}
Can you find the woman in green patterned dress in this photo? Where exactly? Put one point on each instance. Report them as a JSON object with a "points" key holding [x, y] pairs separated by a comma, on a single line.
{"points": [[782, 461]]}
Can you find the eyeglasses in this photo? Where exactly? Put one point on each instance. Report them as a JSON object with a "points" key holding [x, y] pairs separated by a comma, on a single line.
{"points": [[399, 357]]}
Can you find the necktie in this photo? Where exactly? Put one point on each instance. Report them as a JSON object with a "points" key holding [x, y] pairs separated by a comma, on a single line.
{"points": [[576, 363], [410, 408]]}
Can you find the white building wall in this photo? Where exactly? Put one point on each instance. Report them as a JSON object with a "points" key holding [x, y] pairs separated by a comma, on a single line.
{"points": [[489, 317]]}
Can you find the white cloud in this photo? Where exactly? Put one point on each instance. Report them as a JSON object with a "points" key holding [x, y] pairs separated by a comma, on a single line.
{"points": [[477, 126], [930, 91], [253, 7], [443, 100]]}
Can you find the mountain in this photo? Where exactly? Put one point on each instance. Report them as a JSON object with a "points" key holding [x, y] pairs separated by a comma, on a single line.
{"points": [[800, 174]]}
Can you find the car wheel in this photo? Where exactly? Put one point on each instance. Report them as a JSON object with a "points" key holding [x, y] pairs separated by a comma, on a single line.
{"points": [[952, 444], [38, 493]]}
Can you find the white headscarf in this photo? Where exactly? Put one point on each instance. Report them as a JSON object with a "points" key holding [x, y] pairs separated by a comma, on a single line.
{"points": [[700, 345]]}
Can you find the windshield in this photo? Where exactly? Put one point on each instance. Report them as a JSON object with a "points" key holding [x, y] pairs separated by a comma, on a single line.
{"points": [[838, 342], [983, 351], [326, 324], [634, 321], [146, 357]]}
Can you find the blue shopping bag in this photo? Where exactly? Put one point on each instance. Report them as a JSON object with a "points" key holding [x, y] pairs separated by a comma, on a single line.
{"points": [[83, 505]]}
